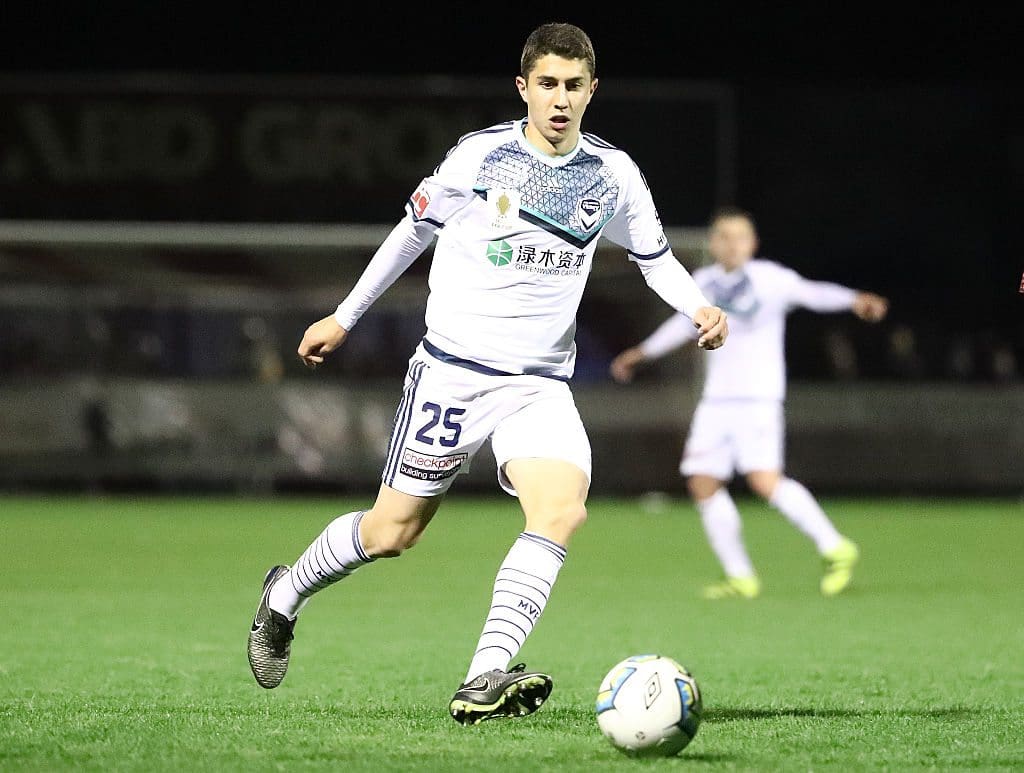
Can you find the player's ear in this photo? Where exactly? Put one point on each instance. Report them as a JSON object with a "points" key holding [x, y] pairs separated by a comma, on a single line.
{"points": [[593, 87], [521, 85]]}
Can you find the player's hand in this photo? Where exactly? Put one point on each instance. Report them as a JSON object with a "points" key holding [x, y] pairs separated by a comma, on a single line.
{"points": [[713, 325], [870, 307], [623, 367], [321, 338]]}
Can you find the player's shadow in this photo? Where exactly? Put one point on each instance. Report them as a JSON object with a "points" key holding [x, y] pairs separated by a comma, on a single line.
{"points": [[734, 715]]}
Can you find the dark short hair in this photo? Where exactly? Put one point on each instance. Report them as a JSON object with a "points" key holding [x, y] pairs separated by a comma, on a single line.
{"points": [[731, 211], [565, 40]]}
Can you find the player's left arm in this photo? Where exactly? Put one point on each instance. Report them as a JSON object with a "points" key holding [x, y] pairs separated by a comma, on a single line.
{"points": [[637, 227], [830, 297]]}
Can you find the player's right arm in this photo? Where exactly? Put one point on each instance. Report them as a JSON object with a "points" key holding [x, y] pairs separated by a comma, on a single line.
{"points": [[673, 333], [436, 201]]}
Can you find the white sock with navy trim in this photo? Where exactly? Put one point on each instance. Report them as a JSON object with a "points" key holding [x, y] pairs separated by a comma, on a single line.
{"points": [[521, 591], [333, 556]]}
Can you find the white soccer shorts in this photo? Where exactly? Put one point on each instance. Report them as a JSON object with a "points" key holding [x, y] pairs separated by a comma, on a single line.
{"points": [[728, 436], [448, 411]]}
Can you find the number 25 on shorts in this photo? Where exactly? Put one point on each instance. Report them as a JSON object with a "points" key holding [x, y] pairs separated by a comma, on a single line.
{"points": [[448, 419]]}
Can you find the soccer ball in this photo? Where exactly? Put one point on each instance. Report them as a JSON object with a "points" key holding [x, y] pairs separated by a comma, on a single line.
{"points": [[649, 705]]}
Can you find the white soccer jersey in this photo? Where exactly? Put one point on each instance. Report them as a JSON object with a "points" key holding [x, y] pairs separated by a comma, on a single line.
{"points": [[757, 297], [516, 235]]}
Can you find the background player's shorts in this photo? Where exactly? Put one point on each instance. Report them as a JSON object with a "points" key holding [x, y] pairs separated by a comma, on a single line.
{"points": [[448, 411], [728, 436]]}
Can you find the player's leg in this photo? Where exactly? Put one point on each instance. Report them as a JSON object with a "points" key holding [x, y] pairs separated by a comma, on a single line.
{"points": [[543, 457], [761, 461], [415, 478], [724, 532], [707, 464], [798, 505], [393, 524]]}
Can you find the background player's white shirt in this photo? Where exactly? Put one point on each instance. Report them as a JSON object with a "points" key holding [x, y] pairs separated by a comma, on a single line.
{"points": [[516, 235], [757, 297]]}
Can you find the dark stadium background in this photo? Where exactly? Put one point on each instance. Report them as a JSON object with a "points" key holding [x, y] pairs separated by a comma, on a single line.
{"points": [[878, 147]]}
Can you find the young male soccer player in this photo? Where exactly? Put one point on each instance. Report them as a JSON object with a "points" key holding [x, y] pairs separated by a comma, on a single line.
{"points": [[738, 424], [517, 209]]}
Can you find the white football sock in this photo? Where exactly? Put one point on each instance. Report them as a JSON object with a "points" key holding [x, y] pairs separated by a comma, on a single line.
{"points": [[722, 526], [521, 591], [798, 504], [334, 555]]}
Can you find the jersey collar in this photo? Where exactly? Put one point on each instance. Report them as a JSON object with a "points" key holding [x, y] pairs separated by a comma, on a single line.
{"points": [[520, 127]]}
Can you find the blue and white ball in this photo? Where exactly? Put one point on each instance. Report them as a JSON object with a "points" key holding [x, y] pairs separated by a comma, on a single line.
{"points": [[649, 705]]}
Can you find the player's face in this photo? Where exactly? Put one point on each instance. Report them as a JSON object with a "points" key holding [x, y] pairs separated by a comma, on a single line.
{"points": [[556, 92], [732, 241]]}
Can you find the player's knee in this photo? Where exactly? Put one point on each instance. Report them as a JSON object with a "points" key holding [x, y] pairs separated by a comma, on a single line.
{"points": [[559, 522], [389, 540], [702, 487], [392, 543], [763, 485]]}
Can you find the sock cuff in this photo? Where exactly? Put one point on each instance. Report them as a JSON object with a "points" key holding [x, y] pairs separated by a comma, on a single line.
{"points": [[781, 488], [558, 551], [722, 495], [357, 543]]}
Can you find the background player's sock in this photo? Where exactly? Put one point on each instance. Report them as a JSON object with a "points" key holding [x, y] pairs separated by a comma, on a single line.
{"points": [[722, 525], [795, 502], [334, 555], [521, 590]]}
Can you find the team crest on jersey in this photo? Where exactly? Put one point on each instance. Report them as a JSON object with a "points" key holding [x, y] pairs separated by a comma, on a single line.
{"points": [[588, 212], [504, 206]]}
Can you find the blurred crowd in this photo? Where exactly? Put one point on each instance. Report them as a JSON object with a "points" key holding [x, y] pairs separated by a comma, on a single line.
{"points": [[217, 344]]}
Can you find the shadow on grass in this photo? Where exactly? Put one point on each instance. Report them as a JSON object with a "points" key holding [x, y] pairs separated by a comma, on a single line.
{"points": [[735, 715]]}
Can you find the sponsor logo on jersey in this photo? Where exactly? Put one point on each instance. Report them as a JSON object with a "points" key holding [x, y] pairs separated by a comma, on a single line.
{"points": [[550, 262], [420, 201], [504, 206], [537, 260], [428, 467], [499, 252], [588, 211]]}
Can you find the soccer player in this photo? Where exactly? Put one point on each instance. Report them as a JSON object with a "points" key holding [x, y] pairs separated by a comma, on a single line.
{"points": [[738, 424], [517, 209]]}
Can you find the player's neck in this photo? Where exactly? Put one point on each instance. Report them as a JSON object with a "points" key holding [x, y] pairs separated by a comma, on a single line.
{"points": [[736, 268], [543, 145]]}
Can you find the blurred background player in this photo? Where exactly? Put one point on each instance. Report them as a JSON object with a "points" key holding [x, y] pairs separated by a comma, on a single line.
{"points": [[738, 424], [517, 209]]}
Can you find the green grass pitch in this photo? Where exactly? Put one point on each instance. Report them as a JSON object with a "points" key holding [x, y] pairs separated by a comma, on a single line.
{"points": [[122, 642]]}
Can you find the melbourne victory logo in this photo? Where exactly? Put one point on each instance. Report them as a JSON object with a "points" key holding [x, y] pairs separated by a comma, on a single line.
{"points": [[588, 212]]}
